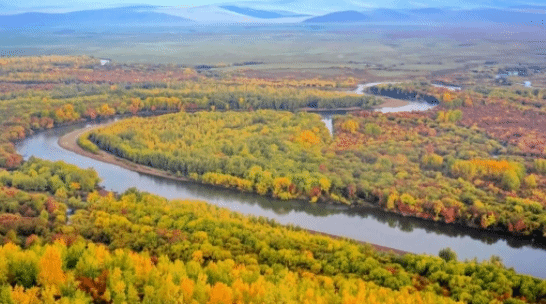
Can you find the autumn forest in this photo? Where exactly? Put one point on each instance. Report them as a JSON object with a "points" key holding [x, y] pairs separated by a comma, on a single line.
{"points": [[472, 161]]}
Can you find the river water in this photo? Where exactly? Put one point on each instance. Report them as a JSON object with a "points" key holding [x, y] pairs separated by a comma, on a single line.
{"points": [[372, 226]]}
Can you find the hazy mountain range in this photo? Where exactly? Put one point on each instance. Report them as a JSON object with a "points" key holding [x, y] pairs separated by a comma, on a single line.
{"points": [[283, 11]]}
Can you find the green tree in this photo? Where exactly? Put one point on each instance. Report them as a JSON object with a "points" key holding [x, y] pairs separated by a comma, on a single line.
{"points": [[447, 254], [510, 180]]}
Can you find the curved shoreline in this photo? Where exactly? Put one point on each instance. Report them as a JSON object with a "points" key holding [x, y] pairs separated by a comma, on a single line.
{"points": [[69, 142]]}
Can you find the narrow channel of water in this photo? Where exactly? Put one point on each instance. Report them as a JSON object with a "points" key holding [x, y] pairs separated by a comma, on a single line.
{"points": [[411, 106], [372, 226]]}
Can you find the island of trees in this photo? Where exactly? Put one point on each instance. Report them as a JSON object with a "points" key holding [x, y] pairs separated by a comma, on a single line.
{"points": [[428, 167]]}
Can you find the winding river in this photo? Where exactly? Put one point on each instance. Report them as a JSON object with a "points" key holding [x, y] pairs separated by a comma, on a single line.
{"points": [[372, 226], [367, 225]]}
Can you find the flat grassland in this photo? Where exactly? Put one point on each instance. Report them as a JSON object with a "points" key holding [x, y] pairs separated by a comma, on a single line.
{"points": [[368, 53]]}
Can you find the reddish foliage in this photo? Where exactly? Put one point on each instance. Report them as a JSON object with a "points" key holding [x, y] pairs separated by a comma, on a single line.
{"points": [[28, 212], [425, 215], [191, 107], [322, 168], [449, 214], [31, 240], [9, 87], [405, 209], [420, 282], [51, 205], [428, 207], [315, 191], [91, 113], [133, 109], [28, 225], [103, 193], [525, 129], [10, 192], [68, 239], [177, 236], [172, 236], [391, 270], [351, 190], [292, 189], [47, 122], [504, 296], [12, 160], [9, 221], [119, 75], [345, 142], [95, 287], [518, 226], [429, 148]]}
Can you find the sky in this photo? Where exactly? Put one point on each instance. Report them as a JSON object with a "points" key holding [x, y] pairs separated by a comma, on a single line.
{"points": [[59, 6], [71, 5], [63, 4]]}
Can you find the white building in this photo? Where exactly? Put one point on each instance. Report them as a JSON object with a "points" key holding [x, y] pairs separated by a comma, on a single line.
{"points": [[105, 61]]}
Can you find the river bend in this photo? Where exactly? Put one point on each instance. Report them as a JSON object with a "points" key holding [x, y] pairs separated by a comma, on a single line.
{"points": [[373, 226]]}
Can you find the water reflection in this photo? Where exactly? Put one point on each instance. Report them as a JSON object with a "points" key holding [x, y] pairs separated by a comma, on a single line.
{"points": [[369, 225], [329, 123], [411, 106]]}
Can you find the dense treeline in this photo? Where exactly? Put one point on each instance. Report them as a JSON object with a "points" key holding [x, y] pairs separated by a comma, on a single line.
{"points": [[513, 115], [406, 163], [208, 234], [29, 218], [425, 91], [90, 273], [521, 98], [60, 90], [228, 255], [35, 199], [58, 178], [432, 168], [398, 93], [271, 152]]}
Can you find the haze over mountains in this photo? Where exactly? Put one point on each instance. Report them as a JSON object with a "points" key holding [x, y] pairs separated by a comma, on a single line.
{"points": [[280, 11]]}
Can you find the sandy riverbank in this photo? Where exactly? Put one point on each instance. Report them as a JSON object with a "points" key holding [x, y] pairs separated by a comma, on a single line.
{"points": [[392, 103], [69, 142]]}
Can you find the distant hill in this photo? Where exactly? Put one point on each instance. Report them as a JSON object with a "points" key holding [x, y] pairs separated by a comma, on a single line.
{"points": [[427, 11], [126, 17], [387, 15], [123, 16], [499, 16], [222, 15], [436, 15], [338, 17], [260, 13]]}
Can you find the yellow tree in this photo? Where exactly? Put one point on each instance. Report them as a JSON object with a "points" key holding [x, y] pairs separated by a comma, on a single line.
{"points": [[50, 268], [350, 126], [221, 294]]}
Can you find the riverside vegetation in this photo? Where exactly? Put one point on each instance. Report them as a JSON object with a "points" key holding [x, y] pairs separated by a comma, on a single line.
{"points": [[407, 163], [140, 248]]}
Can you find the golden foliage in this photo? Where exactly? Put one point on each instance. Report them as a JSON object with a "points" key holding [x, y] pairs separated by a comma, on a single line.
{"points": [[350, 126], [50, 268]]}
